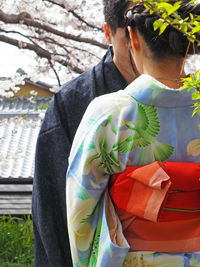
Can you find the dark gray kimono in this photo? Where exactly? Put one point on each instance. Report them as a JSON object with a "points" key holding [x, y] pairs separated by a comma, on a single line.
{"points": [[53, 146]]}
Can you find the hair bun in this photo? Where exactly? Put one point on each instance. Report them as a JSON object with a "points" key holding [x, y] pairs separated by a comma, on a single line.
{"points": [[172, 41], [176, 41]]}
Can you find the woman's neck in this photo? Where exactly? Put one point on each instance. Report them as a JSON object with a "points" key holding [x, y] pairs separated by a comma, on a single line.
{"points": [[167, 71]]}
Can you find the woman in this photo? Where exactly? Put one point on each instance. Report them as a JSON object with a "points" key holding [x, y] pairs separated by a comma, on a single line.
{"points": [[149, 125]]}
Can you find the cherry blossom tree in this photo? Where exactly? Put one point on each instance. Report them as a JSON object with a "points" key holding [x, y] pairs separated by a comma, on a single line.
{"points": [[66, 36]]}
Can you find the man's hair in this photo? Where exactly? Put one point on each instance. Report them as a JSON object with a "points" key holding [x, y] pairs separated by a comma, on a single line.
{"points": [[114, 13]]}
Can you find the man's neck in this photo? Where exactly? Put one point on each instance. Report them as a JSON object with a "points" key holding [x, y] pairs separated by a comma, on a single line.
{"points": [[126, 69]]}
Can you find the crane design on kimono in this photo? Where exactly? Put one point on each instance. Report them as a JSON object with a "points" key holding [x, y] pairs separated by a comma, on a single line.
{"points": [[144, 135]]}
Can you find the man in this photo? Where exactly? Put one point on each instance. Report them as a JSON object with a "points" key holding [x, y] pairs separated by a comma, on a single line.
{"points": [[54, 142]]}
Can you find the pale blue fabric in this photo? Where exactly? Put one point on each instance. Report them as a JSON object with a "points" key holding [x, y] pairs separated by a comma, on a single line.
{"points": [[100, 149]]}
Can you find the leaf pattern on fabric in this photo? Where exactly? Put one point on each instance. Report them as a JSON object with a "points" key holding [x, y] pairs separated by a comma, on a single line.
{"points": [[81, 233], [94, 253], [193, 147], [144, 134], [82, 193], [84, 261], [144, 130], [102, 152], [75, 264], [95, 210], [162, 151]]}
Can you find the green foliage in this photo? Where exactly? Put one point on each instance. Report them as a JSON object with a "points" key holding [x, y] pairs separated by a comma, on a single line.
{"points": [[160, 24], [168, 15], [193, 83], [16, 241], [11, 264], [43, 107]]}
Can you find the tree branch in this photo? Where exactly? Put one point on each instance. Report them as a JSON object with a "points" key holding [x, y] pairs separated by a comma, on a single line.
{"points": [[41, 52], [55, 72], [30, 38], [75, 15], [48, 40], [25, 19], [170, 21]]}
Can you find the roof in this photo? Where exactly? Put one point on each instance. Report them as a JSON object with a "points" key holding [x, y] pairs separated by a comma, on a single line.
{"points": [[40, 84], [20, 122]]}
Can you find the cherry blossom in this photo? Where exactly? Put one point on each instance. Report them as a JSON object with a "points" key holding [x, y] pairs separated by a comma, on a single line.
{"points": [[66, 36]]}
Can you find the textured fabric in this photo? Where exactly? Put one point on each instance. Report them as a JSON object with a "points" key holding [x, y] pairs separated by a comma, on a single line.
{"points": [[141, 191], [144, 123], [54, 143], [148, 259], [162, 220]]}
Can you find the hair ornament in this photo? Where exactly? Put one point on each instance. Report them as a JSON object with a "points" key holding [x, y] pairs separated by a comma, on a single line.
{"points": [[129, 16]]}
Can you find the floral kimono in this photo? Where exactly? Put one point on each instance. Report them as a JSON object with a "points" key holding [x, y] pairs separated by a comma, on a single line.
{"points": [[143, 124]]}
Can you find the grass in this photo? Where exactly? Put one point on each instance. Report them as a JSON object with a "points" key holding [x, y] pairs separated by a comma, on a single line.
{"points": [[16, 241], [11, 264]]}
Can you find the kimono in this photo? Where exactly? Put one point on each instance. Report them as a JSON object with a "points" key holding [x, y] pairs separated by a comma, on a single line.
{"points": [[145, 123]]}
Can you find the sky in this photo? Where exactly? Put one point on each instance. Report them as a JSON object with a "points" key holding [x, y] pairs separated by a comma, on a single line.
{"points": [[12, 59]]}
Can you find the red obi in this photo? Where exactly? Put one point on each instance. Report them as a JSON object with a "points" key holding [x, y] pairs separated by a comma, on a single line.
{"points": [[159, 206]]}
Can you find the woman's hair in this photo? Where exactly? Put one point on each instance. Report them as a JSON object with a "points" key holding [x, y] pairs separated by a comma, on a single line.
{"points": [[114, 13], [171, 41]]}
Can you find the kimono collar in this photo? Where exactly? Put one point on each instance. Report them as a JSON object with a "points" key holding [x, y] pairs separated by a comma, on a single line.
{"points": [[148, 90]]}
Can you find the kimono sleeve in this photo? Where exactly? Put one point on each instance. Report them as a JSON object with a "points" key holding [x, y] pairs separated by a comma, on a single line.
{"points": [[92, 160]]}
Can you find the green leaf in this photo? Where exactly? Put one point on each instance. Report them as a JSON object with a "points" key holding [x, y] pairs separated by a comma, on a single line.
{"points": [[174, 8], [196, 23], [151, 11], [184, 27], [192, 1], [146, 6], [196, 110], [163, 27], [196, 75], [196, 95], [164, 5], [167, 9], [195, 29], [157, 24]]}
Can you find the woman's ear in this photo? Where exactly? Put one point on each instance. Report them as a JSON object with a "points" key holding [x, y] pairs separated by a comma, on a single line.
{"points": [[107, 33], [134, 40]]}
